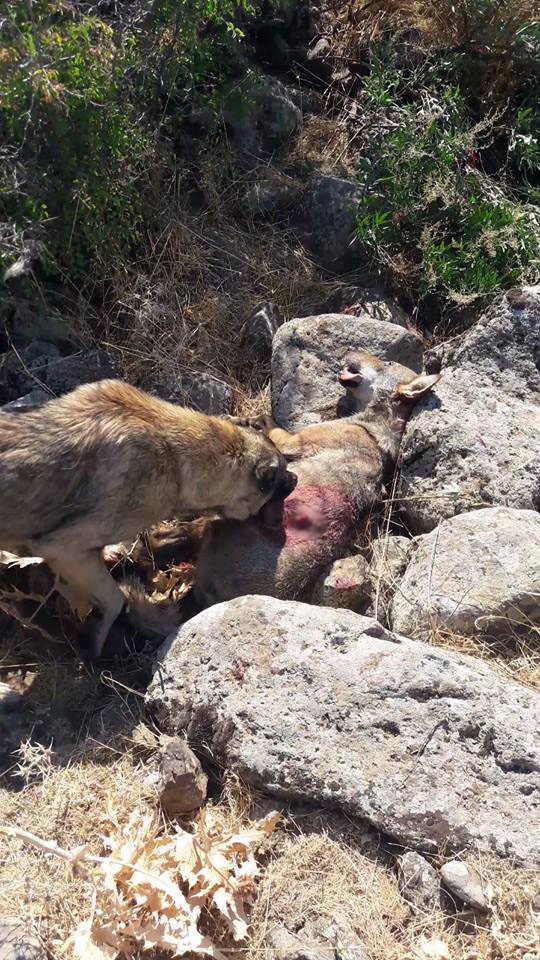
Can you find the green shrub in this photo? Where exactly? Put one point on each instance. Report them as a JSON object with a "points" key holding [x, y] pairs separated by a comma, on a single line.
{"points": [[81, 108], [430, 216]]}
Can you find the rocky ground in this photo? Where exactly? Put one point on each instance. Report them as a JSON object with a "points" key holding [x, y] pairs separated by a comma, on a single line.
{"points": [[401, 742]]}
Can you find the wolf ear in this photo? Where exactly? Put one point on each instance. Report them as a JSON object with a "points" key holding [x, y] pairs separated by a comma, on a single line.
{"points": [[415, 388]]}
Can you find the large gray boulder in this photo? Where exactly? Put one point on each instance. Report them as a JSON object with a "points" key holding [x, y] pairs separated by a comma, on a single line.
{"points": [[469, 444], [477, 573], [505, 343], [327, 220], [261, 119], [308, 354], [476, 439], [327, 707], [197, 390], [41, 366], [362, 302], [272, 195]]}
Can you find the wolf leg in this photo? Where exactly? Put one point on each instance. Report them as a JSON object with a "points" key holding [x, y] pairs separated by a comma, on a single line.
{"points": [[86, 578]]}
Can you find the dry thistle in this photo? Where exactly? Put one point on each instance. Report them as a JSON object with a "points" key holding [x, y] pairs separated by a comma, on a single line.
{"points": [[151, 886]]}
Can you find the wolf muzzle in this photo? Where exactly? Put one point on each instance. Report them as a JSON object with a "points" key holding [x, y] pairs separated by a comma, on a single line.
{"points": [[285, 486]]}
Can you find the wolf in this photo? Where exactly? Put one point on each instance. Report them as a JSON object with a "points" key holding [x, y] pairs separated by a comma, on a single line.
{"points": [[341, 468], [107, 460]]}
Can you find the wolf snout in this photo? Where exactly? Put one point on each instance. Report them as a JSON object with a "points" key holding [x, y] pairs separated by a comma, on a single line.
{"points": [[286, 485], [349, 378]]}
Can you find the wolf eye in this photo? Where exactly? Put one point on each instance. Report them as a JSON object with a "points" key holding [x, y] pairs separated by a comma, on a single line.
{"points": [[265, 477]]}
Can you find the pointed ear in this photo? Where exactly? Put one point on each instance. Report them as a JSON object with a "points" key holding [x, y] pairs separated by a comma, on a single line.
{"points": [[415, 388]]}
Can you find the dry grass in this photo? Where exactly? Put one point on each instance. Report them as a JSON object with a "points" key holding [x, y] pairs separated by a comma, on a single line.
{"points": [[71, 806], [328, 142], [517, 660], [332, 875], [90, 754], [182, 307], [457, 23], [323, 875]]}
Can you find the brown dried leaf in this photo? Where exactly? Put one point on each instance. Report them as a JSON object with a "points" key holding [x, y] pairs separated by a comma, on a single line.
{"points": [[231, 907], [140, 899], [174, 582]]}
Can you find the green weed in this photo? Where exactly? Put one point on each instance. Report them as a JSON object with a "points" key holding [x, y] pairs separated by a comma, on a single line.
{"points": [[430, 216], [82, 114]]}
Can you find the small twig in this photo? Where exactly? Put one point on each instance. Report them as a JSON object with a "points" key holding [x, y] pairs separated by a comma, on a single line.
{"points": [[40, 383], [15, 614], [78, 856]]}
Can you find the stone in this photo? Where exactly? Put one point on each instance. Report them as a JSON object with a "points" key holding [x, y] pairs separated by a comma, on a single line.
{"points": [[475, 440], [18, 943], [197, 390], [285, 946], [69, 372], [308, 354], [29, 322], [419, 882], [259, 330], [310, 102], [477, 573], [271, 199], [344, 585], [327, 221], [29, 402], [329, 708], [10, 700], [314, 942], [389, 557], [182, 781], [361, 302], [320, 50], [41, 366], [25, 370], [468, 444], [261, 120], [505, 343], [465, 883]]}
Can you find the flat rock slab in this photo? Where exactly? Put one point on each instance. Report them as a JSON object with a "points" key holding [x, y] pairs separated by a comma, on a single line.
{"points": [[475, 441], [308, 354], [327, 707], [478, 573], [469, 444]]}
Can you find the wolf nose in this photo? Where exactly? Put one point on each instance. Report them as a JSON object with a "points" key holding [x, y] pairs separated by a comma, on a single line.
{"points": [[287, 485]]}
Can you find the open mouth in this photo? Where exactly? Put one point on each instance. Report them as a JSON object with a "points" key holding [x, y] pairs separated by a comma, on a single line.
{"points": [[271, 513], [349, 379], [286, 486]]}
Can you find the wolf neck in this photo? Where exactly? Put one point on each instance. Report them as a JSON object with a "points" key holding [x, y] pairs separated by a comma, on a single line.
{"points": [[206, 452], [212, 437], [385, 424]]}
